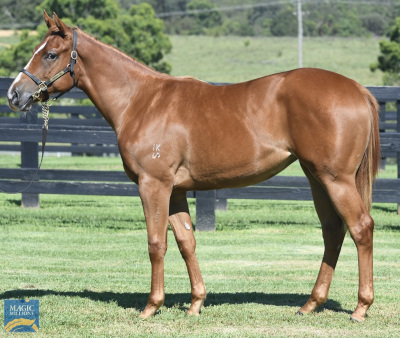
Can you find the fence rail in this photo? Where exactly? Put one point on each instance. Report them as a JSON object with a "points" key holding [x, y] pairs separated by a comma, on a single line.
{"points": [[81, 129]]}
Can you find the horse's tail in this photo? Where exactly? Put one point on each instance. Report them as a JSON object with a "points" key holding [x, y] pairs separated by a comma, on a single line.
{"points": [[370, 163]]}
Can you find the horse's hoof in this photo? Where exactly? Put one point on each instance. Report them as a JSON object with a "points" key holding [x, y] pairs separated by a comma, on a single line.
{"points": [[353, 319], [148, 312], [299, 313]]}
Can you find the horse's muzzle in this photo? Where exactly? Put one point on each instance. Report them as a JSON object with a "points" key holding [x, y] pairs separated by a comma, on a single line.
{"points": [[19, 101]]}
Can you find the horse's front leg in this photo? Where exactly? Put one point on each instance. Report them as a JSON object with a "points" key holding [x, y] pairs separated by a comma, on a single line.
{"points": [[183, 230], [155, 196]]}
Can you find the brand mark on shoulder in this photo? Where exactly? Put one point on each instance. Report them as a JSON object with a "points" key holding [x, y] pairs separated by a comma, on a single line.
{"points": [[156, 151]]}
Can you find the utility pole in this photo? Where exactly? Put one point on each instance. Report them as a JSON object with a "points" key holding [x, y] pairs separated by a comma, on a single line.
{"points": [[300, 33]]}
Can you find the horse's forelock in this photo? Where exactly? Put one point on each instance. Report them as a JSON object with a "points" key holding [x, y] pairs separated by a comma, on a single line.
{"points": [[54, 30]]}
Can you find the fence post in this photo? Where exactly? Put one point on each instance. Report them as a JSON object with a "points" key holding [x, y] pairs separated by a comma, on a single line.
{"points": [[221, 204], [205, 210], [29, 159], [382, 118], [398, 153]]}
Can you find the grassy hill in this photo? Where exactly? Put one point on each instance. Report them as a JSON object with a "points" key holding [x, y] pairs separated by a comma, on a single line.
{"points": [[235, 59]]}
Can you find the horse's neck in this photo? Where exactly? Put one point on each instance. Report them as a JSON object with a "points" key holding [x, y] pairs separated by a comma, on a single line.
{"points": [[111, 79]]}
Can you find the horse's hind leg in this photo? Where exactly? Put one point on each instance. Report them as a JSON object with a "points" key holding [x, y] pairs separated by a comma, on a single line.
{"points": [[354, 213], [183, 230], [333, 232], [350, 207]]}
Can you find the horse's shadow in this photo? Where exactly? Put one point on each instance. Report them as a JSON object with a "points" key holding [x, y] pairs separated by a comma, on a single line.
{"points": [[180, 300]]}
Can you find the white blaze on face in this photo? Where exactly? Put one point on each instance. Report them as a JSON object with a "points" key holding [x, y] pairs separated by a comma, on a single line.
{"points": [[28, 64], [10, 92]]}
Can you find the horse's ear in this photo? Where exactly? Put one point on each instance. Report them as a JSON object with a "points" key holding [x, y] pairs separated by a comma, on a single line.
{"points": [[64, 29], [49, 21]]}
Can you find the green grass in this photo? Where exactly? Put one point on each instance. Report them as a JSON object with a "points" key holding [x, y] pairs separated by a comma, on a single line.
{"points": [[228, 59], [67, 162], [8, 39], [85, 258]]}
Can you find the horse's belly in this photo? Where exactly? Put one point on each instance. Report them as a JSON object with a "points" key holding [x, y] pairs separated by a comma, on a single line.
{"points": [[232, 171]]}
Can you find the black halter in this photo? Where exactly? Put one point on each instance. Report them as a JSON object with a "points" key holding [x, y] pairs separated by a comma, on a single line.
{"points": [[43, 85]]}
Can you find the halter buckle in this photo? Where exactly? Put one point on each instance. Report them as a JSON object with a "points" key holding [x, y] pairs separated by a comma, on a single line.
{"points": [[42, 88], [74, 55]]}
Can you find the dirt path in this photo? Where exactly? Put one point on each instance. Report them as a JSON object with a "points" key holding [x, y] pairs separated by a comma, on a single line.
{"points": [[6, 33]]}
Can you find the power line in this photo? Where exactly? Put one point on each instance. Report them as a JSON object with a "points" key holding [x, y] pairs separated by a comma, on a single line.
{"points": [[355, 2], [218, 9], [365, 2], [268, 4]]}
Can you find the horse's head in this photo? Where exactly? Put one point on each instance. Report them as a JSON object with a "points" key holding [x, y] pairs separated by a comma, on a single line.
{"points": [[51, 59]]}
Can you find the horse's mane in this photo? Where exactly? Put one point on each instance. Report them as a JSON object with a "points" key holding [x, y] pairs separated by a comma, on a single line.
{"points": [[116, 50]]}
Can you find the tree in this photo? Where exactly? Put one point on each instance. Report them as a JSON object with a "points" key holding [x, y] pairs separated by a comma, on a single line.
{"points": [[78, 9], [146, 38], [15, 58], [284, 23], [389, 60], [206, 18], [138, 33], [19, 13]]}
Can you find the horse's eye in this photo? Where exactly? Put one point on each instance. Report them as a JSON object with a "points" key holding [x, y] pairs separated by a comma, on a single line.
{"points": [[51, 56]]}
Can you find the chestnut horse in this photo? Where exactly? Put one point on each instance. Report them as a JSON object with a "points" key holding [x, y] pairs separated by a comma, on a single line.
{"points": [[179, 134]]}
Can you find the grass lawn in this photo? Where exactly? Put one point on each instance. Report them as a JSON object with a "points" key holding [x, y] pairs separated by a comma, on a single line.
{"points": [[7, 38], [85, 258]]}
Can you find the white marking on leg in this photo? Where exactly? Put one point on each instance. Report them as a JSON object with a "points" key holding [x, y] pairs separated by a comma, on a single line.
{"points": [[187, 226]]}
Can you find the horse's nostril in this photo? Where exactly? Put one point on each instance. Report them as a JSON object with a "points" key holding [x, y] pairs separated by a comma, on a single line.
{"points": [[15, 98]]}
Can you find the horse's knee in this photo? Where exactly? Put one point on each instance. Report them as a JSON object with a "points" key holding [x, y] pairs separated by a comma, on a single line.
{"points": [[157, 249], [362, 232]]}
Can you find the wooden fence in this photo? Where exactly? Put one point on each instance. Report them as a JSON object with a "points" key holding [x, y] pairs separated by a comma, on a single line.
{"points": [[80, 129]]}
